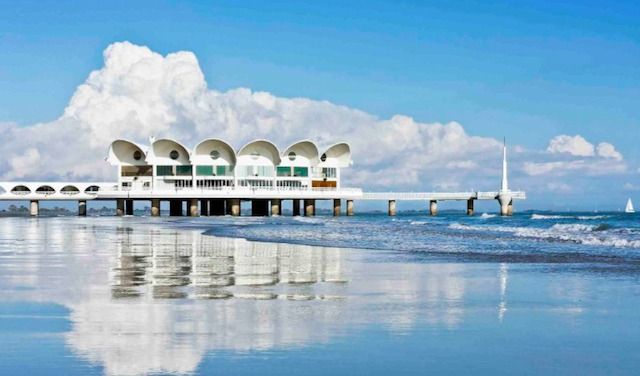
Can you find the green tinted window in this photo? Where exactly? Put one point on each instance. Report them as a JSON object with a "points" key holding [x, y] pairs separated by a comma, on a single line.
{"points": [[164, 170], [284, 171], [221, 170], [204, 170], [301, 171], [183, 170]]}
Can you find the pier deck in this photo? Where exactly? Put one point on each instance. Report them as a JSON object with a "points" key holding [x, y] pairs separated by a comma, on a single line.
{"points": [[228, 200]]}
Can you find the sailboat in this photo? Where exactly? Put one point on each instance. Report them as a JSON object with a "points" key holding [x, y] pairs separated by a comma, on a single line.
{"points": [[629, 207]]}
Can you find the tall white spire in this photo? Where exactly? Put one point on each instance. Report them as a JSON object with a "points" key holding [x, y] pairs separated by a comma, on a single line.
{"points": [[505, 181]]}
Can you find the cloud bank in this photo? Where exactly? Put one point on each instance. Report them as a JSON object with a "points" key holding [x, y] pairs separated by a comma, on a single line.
{"points": [[139, 93]]}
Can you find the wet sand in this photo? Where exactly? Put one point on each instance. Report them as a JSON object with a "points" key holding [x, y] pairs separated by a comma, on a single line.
{"points": [[138, 296]]}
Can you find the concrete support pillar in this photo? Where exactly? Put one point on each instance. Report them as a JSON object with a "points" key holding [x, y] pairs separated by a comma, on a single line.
{"points": [[349, 208], [259, 208], [175, 208], [34, 208], [506, 204], [155, 207], [204, 208], [128, 207], [392, 208], [309, 208], [227, 208], [82, 208], [470, 203], [276, 207], [120, 207], [296, 207], [216, 207], [336, 207], [235, 207], [193, 208], [433, 207]]}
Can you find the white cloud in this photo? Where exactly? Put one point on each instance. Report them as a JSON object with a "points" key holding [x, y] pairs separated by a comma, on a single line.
{"points": [[139, 93], [590, 167], [558, 187], [573, 145], [606, 150]]}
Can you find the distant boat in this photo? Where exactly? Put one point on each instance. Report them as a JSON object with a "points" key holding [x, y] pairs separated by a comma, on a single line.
{"points": [[629, 207]]}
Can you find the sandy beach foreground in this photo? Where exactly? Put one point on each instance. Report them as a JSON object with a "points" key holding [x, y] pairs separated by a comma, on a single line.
{"points": [[127, 296]]}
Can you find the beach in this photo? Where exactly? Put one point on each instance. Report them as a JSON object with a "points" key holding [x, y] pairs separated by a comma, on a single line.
{"points": [[541, 293]]}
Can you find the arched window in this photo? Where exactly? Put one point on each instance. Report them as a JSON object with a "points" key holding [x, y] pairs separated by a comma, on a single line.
{"points": [[45, 190], [20, 190], [69, 190]]}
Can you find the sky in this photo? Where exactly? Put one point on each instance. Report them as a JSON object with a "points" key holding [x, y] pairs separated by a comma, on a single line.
{"points": [[424, 90]]}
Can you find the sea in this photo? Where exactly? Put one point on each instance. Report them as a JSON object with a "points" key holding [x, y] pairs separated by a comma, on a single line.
{"points": [[552, 293]]}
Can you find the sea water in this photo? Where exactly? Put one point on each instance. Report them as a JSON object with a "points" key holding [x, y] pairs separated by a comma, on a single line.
{"points": [[537, 293]]}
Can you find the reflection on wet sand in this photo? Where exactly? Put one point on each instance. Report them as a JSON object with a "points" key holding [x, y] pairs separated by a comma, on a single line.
{"points": [[185, 264], [147, 297], [221, 286]]}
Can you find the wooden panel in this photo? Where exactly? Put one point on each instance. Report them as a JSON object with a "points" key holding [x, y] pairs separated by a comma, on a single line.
{"points": [[323, 184]]}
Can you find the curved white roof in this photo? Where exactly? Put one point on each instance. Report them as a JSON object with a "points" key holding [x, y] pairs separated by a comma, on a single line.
{"points": [[337, 155], [302, 153], [161, 153], [259, 153], [213, 152], [123, 152]]}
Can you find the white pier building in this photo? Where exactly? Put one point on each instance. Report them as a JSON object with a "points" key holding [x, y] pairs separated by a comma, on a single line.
{"points": [[213, 178]]}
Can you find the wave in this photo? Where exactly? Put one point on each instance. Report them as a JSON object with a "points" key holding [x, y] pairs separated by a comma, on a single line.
{"points": [[579, 217], [487, 216], [307, 220], [594, 235]]}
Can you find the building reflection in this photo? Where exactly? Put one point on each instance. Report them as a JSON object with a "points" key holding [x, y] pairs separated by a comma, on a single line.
{"points": [[147, 298], [180, 264], [222, 285]]}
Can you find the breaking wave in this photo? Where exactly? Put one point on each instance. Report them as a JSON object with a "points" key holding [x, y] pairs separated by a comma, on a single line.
{"points": [[579, 217], [593, 235]]}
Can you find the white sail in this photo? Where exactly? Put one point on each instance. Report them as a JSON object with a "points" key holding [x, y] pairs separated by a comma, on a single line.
{"points": [[629, 208]]}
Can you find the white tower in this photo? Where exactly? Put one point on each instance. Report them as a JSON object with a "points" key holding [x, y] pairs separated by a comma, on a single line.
{"points": [[504, 196], [505, 181]]}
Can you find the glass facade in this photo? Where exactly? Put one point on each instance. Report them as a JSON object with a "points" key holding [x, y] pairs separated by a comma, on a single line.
{"points": [[164, 170], [329, 172], [204, 170], [136, 171], [224, 171], [257, 171], [184, 170], [214, 171], [301, 171], [283, 171]]}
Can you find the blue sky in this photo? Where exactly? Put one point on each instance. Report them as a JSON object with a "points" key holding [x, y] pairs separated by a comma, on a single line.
{"points": [[526, 70]]}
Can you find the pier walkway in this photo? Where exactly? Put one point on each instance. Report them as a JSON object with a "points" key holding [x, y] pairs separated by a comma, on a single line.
{"points": [[221, 201]]}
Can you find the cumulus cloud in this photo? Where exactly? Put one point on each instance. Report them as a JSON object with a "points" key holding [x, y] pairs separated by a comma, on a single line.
{"points": [[606, 150], [566, 154], [139, 93], [573, 145], [589, 167]]}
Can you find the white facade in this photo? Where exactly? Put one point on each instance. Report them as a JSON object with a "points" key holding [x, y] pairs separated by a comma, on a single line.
{"points": [[212, 164]]}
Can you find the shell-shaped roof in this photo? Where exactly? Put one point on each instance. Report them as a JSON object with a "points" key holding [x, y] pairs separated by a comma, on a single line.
{"points": [[125, 152], [213, 151], [301, 153], [337, 155], [166, 151], [260, 153]]}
